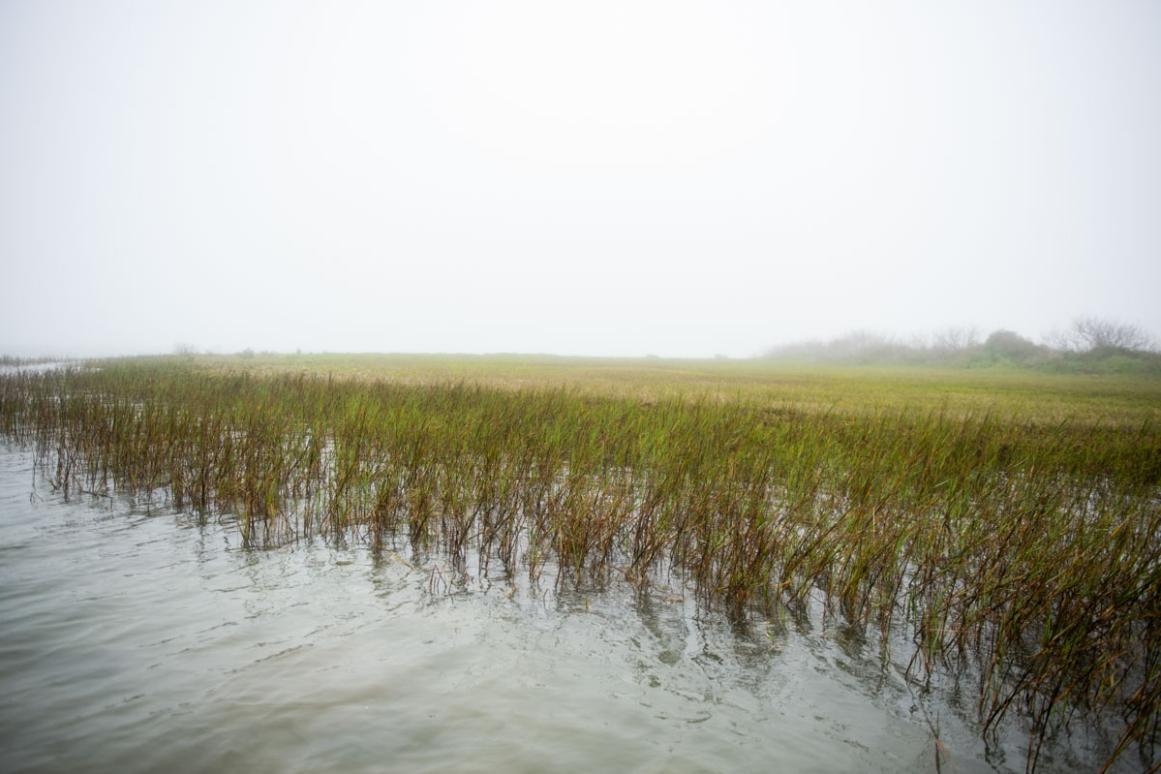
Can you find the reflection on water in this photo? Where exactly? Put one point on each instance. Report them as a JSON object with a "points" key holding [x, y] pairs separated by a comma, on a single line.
{"points": [[134, 642]]}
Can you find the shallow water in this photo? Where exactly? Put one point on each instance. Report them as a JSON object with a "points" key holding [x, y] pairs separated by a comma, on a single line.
{"points": [[133, 640], [39, 368]]}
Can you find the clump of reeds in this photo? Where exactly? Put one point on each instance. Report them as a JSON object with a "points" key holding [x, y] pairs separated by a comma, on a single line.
{"points": [[1029, 551]]}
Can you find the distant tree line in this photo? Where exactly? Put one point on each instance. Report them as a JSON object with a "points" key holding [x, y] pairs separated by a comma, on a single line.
{"points": [[1089, 344]]}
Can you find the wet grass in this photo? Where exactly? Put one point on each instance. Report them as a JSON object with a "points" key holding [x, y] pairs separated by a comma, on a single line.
{"points": [[1009, 522]]}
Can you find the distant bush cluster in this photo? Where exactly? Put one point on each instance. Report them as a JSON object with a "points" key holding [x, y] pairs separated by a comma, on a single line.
{"points": [[1089, 345]]}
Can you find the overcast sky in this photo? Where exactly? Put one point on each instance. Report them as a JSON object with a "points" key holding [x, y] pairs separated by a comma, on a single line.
{"points": [[601, 177]]}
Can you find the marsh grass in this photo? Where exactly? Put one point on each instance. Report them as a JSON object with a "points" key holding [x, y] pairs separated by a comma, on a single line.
{"points": [[1023, 546]]}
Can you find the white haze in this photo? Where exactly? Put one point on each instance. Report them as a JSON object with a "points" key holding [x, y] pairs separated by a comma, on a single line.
{"points": [[603, 177]]}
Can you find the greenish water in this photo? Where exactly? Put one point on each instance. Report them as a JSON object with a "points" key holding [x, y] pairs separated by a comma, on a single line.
{"points": [[141, 640]]}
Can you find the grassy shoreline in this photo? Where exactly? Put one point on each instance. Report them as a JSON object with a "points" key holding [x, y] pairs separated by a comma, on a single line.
{"points": [[1010, 520], [1031, 395]]}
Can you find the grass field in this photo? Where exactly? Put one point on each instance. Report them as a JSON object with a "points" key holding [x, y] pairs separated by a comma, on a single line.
{"points": [[1009, 521], [1030, 395]]}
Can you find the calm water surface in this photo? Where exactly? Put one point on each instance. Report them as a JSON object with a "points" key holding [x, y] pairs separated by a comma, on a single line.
{"points": [[133, 640]]}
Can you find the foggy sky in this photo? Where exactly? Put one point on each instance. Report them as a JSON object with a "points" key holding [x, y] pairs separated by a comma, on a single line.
{"points": [[602, 177]]}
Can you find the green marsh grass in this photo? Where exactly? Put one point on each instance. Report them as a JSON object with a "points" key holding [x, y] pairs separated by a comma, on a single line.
{"points": [[1015, 539]]}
